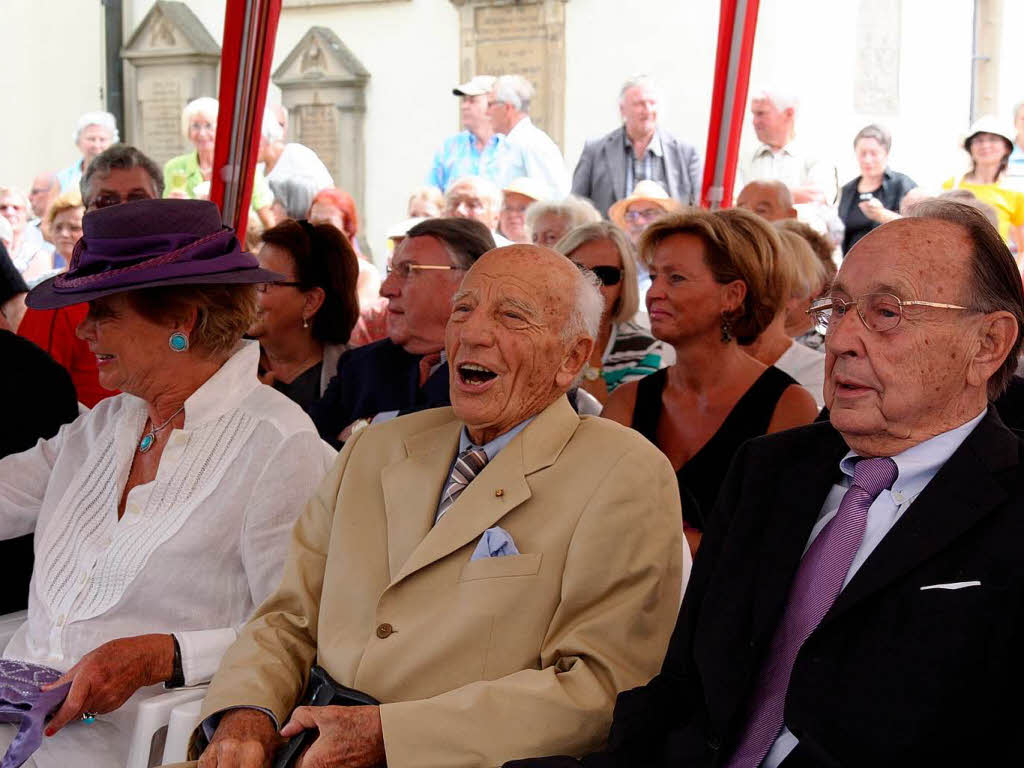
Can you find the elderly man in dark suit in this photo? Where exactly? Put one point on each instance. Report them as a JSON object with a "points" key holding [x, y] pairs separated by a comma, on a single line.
{"points": [[859, 594], [406, 371], [611, 166]]}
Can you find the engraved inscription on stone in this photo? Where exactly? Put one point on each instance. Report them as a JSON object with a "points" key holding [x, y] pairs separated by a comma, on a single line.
{"points": [[877, 75], [318, 130], [511, 40], [160, 104]]}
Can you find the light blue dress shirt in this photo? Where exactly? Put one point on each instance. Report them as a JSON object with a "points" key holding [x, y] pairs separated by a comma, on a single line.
{"points": [[459, 157], [492, 449], [916, 467]]}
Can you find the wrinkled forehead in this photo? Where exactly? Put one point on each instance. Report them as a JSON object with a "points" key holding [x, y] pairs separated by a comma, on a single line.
{"points": [[910, 258], [526, 281]]}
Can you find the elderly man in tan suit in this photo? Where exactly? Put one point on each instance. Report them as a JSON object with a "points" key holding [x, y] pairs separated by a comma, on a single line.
{"points": [[493, 573]]}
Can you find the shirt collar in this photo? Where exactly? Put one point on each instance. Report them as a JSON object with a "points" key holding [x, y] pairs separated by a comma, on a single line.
{"points": [[918, 465], [494, 447], [654, 147], [522, 126], [225, 389]]}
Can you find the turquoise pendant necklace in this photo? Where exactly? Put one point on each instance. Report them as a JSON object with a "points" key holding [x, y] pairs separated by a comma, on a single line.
{"points": [[150, 437]]}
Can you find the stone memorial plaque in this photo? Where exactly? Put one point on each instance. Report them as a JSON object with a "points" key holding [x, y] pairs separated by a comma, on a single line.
{"points": [[876, 84], [524, 37], [169, 60], [317, 126], [323, 85], [160, 103]]}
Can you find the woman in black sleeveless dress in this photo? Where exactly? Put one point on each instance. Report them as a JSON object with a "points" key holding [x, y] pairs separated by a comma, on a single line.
{"points": [[717, 282]]}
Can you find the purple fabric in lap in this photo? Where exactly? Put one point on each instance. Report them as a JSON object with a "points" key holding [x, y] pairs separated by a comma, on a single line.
{"points": [[25, 705]]}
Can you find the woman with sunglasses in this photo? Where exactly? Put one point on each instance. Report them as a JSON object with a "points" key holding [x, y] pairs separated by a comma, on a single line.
{"points": [[624, 349], [716, 285], [304, 321]]}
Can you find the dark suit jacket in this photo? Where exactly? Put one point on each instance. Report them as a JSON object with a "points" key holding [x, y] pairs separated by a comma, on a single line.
{"points": [[601, 172], [894, 675], [372, 379]]}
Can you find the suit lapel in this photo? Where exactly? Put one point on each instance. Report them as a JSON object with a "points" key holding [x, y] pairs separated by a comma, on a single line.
{"points": [[673, 171], [961, 493], [481, 505], [412, 488], [794, 508], [615, 162]]}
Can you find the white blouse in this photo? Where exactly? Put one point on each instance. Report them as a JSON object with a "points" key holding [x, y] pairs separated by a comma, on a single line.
{"points": [[198, 548]]}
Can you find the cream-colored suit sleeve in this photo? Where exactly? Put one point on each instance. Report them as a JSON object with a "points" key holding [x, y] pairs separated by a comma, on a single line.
{"points": [[619, 600], [269, 663]]}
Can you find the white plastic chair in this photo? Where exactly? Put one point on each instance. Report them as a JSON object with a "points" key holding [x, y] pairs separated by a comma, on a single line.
{"points": [[151, 735], [9, 624], [184, 720]]}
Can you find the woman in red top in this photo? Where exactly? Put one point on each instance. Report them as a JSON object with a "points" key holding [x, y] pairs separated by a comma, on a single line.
{"points": [[54, 329]]}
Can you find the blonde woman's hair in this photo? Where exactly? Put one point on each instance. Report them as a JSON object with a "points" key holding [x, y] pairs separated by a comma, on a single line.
{"points": [[629, 297], [806, 272], [64, 202], [738, 245]]}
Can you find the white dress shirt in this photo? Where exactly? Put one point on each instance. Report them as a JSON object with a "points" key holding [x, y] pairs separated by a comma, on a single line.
{"points": [[916, 467], [541, 157], [198, 547], [299, 161], [807, 366]]}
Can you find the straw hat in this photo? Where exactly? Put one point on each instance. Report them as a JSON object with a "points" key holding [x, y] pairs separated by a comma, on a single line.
{"points": [[645, 191], [527, 187]]}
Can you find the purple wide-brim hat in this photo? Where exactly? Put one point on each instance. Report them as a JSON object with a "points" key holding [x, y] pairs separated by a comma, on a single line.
{"points": [[146, 244]]}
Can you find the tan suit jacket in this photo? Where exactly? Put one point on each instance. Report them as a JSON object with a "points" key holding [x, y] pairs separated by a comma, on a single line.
{"points": [[485, 661]]}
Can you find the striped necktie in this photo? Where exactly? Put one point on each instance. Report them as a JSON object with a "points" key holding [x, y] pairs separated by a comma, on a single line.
{"points": [[817, 584], [467, 466]]}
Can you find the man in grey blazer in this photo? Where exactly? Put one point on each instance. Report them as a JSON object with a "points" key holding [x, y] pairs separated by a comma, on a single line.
{"points": [[610, 166]]}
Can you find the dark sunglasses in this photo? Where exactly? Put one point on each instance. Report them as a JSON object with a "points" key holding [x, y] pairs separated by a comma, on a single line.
{"points": [[608, 276]]}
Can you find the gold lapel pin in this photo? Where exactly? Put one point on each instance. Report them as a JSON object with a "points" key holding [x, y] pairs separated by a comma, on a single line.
{"points": [[499, 492]]}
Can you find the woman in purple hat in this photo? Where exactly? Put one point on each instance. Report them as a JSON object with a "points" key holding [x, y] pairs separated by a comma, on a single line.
{"points": [[162, 516]]}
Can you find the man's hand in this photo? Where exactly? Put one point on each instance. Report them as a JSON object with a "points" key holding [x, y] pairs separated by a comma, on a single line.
{"points": [[105, 677], [349, 736], [245, 738]]}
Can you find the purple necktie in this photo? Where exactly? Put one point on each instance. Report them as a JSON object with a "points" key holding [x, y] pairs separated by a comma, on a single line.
{"points": [[817, 584]]}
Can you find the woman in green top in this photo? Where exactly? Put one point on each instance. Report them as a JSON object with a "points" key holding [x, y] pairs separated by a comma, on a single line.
{"points": [[185, 173]]}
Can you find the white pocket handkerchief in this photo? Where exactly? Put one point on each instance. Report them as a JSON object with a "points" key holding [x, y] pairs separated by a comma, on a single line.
{"points": [[953, 585], [495, 542]]}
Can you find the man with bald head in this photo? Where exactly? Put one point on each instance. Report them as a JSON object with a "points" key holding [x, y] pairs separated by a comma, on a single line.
{"points": [[492, 573], [859, 594], [771, 200]]}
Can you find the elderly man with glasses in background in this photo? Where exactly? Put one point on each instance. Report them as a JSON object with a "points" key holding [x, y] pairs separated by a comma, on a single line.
{"points": [[405, 372], [859, 594]]}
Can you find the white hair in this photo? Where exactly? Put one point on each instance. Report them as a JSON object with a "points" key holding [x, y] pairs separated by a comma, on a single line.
{"points": [[585, 314], [514, 90], [272, 130], [104, 120], [205, 105], [484, 188], [639, 81], [782, 99]]}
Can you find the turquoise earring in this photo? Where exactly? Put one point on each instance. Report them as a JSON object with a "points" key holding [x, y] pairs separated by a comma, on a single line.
{"points": [[178, 341]]}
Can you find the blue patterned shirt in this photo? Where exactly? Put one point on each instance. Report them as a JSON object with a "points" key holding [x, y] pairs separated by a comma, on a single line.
{"points": [[459, 157]]}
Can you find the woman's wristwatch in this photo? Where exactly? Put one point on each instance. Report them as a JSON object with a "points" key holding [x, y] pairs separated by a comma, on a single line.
{"points": [[177, 678]]}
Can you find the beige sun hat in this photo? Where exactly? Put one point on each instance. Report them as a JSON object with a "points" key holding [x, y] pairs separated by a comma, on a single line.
{"points": [[646, 191], [527, 187], [989, 124]]}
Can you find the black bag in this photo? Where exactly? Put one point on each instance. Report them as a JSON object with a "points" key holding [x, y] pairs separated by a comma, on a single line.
{"points": [[322, 691]]}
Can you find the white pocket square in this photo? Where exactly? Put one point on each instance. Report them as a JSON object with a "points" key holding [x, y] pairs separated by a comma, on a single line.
{"points": [[953, 585]]}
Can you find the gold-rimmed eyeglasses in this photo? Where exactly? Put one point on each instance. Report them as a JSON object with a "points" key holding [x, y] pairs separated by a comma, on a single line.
{"points": [[403, 269], [878, 311]]}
